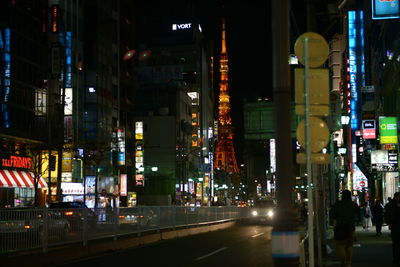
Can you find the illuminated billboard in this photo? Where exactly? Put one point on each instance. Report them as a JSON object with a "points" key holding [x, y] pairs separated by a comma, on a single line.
{"points": [[356, 62], [272, 155], [121, 147], [139, 150], [5, 83], [385, 9], [123, 184], [369, 129], [388, 130], [68, 101], [384, 160], [182, 26], [360, 181]]}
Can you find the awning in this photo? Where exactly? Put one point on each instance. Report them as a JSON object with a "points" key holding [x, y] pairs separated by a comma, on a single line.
{"points": [[24, 179]]}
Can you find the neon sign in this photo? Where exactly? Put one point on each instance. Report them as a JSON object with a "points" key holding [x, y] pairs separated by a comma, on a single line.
{"points": [[356, 62], [183, 26], [17, 162], [6, 82], [353, 69], [66, 40], [54, 16], [139, 177]]}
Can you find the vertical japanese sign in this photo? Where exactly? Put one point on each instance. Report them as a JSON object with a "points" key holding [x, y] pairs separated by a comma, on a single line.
{"points": [[123, 187], [121, 147], [139, 149], [352, 27]]}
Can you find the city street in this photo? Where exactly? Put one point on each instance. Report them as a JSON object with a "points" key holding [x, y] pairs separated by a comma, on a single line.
{"points": [[241, 245]]}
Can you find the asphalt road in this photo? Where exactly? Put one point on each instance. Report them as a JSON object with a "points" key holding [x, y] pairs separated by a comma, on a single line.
{"points": [[240, 245]]}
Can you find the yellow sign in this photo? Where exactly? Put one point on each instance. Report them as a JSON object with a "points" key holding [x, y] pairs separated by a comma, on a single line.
{"points": [[319, 134], [67, 162], [316, 158], [318, 49], [46, 166], [315, 110], [318, 81]]}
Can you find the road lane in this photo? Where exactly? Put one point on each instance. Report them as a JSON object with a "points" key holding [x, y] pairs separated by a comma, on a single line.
{"points": [[240, 245]]}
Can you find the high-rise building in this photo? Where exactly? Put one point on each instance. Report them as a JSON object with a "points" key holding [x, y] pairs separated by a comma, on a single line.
{"points": [[175, 103], [23, 108]]}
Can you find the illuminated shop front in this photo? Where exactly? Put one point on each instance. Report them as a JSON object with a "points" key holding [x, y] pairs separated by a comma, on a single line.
{"points": [[72, 192], [17, 182]]}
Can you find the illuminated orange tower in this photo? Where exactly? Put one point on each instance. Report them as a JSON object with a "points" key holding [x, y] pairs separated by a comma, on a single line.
{"points": [[225, 158]]}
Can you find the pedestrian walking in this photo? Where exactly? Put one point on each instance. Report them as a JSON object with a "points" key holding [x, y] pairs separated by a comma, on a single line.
{"points": [[344, 214], [366, 216], [392, 218], [377, 216]]}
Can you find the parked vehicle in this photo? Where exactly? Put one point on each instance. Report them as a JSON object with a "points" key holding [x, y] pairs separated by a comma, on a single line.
{"points": [[75, 212], [137, 217], [27, 222]]}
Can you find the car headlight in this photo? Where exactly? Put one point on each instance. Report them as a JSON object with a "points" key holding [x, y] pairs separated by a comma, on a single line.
{"points": [[254, 213], [270, 213]]}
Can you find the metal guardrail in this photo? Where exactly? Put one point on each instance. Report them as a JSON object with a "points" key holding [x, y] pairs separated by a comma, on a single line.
{"points": [[303, 251], [41, 228]]}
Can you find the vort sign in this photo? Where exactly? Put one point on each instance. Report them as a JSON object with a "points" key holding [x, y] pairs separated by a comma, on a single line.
{"points": [[183, 26]]}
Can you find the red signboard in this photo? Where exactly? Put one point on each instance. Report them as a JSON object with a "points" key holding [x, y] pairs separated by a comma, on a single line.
{"points": [[369, 129], [369, 133], [16, 161]]}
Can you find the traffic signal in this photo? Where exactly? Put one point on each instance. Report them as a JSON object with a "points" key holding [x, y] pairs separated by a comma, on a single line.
{"points": [[52, 163]]}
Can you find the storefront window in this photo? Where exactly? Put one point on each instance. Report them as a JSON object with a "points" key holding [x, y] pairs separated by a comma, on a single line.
{"points": [[24, 197]]}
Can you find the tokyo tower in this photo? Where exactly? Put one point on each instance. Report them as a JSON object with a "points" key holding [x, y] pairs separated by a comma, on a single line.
{"points": [[225, 158]]}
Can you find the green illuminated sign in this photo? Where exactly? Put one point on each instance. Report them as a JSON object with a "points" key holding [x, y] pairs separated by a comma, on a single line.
{"points": [[388, 130]]}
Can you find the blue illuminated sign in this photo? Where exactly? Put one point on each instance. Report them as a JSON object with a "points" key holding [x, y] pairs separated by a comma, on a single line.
{"points": [[385, 9], [353, 69], [5, 83], [67, 42], [356, 62]]}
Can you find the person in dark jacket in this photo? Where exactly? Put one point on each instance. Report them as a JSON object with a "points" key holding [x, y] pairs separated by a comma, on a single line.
{"points": [[377, 216], [345, 214], [392, 218]]}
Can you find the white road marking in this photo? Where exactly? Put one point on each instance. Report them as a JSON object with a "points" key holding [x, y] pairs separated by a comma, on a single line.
{"points": [[257, 235], [210, 254]]}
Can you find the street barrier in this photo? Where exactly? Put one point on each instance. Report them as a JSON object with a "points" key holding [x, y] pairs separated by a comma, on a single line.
{"points": [[302, 250], [41, 228]]}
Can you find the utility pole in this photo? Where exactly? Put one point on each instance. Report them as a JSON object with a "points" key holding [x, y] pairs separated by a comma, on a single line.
{"points": [[285, 235], [310, 180], [56, 108]]}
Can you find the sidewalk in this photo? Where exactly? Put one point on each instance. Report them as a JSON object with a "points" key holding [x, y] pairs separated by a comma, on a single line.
{"points": [[369, 250]]}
